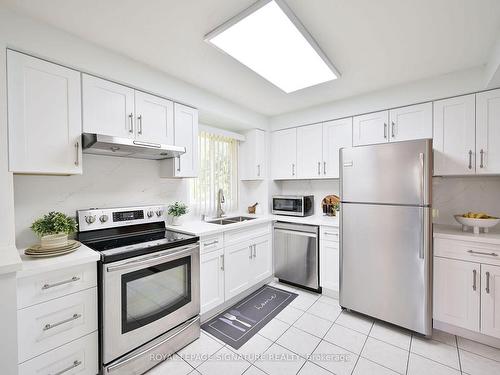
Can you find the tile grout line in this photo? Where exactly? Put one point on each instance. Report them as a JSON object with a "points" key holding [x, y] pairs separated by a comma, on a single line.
{"points": [[458, 353], [409, 353], [362, 348]]}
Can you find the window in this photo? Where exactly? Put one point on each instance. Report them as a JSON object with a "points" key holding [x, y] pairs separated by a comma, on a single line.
{"points": [[218, 170]]}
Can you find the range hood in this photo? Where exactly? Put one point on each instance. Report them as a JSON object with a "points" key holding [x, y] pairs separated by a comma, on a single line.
{"points": [[100, 144]]}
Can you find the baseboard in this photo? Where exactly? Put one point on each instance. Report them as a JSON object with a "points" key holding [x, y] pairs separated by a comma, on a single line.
{"points": [[330, 293], [471, 335], [216, 310]]}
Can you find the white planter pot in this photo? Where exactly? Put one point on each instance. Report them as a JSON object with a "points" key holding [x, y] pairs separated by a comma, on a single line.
{"points": [[54, 240], [177, 220]]}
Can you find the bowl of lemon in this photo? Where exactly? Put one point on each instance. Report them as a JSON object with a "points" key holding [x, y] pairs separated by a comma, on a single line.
{"points": [[477, 221]]}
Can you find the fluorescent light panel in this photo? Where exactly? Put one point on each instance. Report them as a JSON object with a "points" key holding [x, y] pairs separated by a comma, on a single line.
{"points": [[270, 40]]}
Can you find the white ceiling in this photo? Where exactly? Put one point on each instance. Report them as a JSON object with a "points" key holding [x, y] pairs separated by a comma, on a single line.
{"points": [[374, 44]]}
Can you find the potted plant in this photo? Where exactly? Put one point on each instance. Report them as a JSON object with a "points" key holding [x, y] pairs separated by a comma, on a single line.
{"points": [[176, 210], [53, 229]]}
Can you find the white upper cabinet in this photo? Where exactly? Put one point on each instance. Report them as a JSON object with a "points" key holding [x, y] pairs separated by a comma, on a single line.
{"points": [[284, 154], [336, 135], [186, 135], [154, 119], [488, 132], [44, 115], [252, 155], [309, 151], [455, 136], [108, 108], [412, 122], [371, 128]]}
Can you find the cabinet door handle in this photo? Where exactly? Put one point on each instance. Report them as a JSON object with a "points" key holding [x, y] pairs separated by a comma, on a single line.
{"points": [[482, 253], [131, 118], [319, 168], [293, 169], [222, 262], [77, 148], [385, 130], [487, 282], [470, 159], [251, 253], [331, 233], [255, 251], [50, 326], [179, 164], [258, 170], [474, 285], [324, 167], [72, 280], [211, 243], [481, 165], [393, 125], [139, 118], [76, 363]]}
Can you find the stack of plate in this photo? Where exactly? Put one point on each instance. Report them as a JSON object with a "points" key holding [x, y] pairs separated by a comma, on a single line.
{"points": [[38, 251]]}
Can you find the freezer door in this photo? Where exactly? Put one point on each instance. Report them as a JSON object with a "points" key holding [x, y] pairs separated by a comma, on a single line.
{"points": [[393, 173], [385, 263]]}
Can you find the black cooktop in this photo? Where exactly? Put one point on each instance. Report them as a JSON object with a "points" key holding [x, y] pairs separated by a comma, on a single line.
{"points": [[130, 241]]}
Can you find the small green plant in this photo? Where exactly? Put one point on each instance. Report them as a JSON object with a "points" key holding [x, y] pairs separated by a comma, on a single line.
{"points": [[177, 209], [54, 223]]}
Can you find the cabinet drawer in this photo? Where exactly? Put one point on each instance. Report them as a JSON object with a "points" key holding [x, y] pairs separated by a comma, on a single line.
{"points": [[211, 243], [467, 250], [77, 357], [48, 325], [329, 233], [44, 287], [241, 235]]}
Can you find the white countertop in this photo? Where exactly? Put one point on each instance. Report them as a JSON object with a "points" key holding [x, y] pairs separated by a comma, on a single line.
{"points": [[455, 232], [202, 228], [9, 260], [32, 266]]}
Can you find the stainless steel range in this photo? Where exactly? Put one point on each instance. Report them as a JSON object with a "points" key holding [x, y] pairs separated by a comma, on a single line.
{"points": [[149, 286]]}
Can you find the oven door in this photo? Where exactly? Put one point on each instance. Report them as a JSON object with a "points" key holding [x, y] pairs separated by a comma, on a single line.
{"points": [[293, 206], [146, 296]]}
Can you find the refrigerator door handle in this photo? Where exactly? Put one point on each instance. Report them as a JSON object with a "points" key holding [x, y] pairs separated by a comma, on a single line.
{"points": [[422, 233], [422, 178]]}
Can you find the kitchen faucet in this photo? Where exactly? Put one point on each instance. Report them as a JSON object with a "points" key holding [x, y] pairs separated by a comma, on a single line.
{"points": [[220, 201]]}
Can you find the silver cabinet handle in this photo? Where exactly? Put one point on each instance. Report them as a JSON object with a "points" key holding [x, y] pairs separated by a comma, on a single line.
{"points": [[487, 282], [139, 118], [470, 159], [385, 130], [179, 165], [481, 165], [77, 147], [76, 363], [72, 280], [222, 262], [258, 170], [255, 251], [324, 167], [211, 243], [131, 118], [319, 168], [331, 233], [474, 274], [50, 326], [482, 253], [393, 125], [293, 169], [251, 252]]}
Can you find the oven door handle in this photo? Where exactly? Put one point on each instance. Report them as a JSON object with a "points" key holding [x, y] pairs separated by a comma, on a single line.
{"points": [[152, 260]]}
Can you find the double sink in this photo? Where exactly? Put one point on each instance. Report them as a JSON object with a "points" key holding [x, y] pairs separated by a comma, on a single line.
{"points": [[230, 220]]}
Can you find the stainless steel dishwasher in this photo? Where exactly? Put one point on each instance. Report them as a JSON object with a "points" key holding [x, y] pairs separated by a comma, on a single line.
{"points": [[296, 254]]}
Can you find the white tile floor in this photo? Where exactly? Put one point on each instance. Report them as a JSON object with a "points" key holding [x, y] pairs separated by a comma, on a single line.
{"points": [[312, 336]]}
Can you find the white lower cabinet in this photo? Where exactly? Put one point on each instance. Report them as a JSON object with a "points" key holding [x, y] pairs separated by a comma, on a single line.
{"points": [[76, 357], [211, 279], [242, 260], [329, 258], [467, 285]]}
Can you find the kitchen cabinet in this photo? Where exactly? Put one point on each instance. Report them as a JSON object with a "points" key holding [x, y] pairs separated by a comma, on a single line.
{"points": [[411, 122], [490, 300], [336, 135], [154, 119], [44, 116], [455, 136], [108, 108], [309, 151], [488, 132], [238, 277], [185, 135], [371, 128], [329, 259], [457, 292], [284, 154], [262, 261], [253, 155], [211, 279]]}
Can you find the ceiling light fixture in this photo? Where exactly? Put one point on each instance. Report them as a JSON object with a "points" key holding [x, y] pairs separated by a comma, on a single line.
{"points": [[270, 40]]}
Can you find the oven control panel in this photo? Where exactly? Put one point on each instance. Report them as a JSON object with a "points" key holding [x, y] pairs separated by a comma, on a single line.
{"points": [[97, 218]]}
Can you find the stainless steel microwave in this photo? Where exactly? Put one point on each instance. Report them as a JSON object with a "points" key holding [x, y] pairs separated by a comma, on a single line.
{"points": [[293, 205]]}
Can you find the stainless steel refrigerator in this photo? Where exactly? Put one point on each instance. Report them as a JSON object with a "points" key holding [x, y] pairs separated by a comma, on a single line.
{"points": [[385, 232]]}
